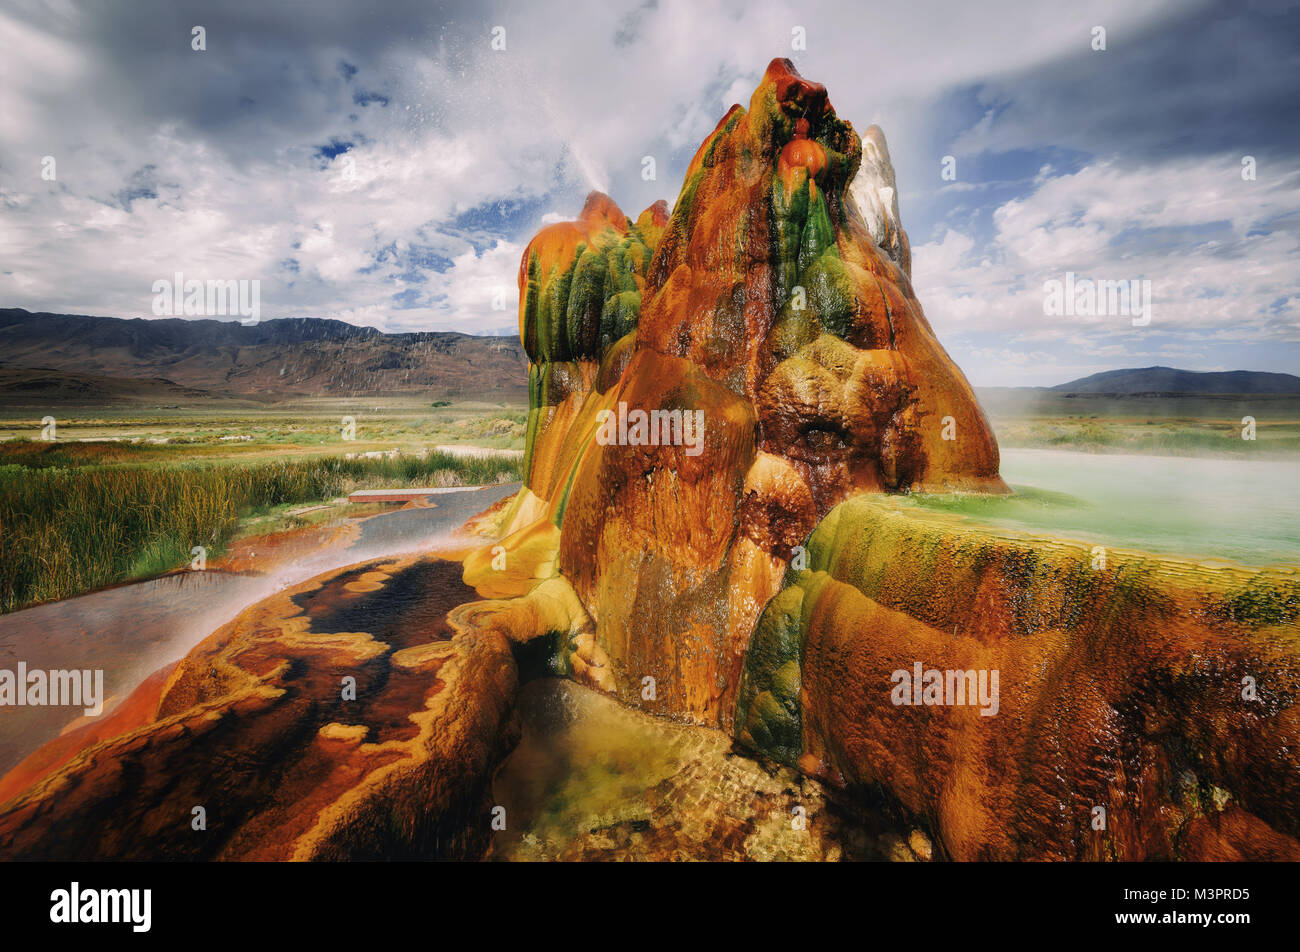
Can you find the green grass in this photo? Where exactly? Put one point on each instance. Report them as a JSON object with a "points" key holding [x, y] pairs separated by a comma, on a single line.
{"points": [[313, 425], [73, 520]]}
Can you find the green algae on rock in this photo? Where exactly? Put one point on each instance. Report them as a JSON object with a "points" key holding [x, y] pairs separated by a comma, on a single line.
{"points": [[1117, 686], [763, 301], [763, 584]]}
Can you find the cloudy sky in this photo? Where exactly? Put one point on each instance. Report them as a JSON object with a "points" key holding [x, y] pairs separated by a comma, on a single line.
{"points": [[384, 164]]}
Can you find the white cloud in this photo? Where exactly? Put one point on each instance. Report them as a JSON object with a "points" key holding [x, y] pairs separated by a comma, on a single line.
{"points": [[1208, 241], [476, 283], [239, 191]]}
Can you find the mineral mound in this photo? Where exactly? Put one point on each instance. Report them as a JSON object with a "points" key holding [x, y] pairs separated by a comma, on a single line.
{"points": [[746, 577], [723, 399], [765, 307]]}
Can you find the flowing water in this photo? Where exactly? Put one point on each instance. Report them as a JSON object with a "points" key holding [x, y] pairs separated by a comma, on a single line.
{"points": [[593, 779], [131, 631]]}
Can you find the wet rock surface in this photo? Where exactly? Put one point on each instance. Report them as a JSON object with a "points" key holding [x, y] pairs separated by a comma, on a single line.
{"points": [[745, 580], [593, 780], [257, 728], [750, 585], [764, 303], [1157, 691]]}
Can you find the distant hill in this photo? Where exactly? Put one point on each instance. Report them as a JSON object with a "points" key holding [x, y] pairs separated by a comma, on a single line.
{"points": [[289, 357], [1170, 380], [43, 386]]}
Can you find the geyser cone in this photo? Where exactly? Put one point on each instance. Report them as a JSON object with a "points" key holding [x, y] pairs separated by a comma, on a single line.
{"points": [[764, 303]]}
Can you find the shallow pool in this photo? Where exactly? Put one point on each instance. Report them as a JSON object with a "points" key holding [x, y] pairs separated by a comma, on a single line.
{"points": [[1242, 510]]}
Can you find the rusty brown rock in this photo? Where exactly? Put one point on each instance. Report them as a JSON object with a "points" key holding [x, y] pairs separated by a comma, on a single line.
{"points": [[252, 726], [770, 308]]}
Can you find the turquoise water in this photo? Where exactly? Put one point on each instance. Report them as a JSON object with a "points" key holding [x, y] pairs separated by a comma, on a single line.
{"points": [[130, 631], [1241, 510]]}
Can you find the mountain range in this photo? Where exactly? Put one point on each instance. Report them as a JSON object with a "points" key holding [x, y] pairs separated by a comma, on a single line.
{"points": [[1166, 380], [78, 358], [91, 358]]}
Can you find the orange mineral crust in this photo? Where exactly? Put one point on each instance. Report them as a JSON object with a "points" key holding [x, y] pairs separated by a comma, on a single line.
{"points": [[136, 711], [1022, 703], [342, 718], [763, 303], [726, 401]]}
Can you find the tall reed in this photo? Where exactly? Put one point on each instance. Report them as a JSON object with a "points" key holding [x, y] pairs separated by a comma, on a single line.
{"points": [[69, 530]]}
